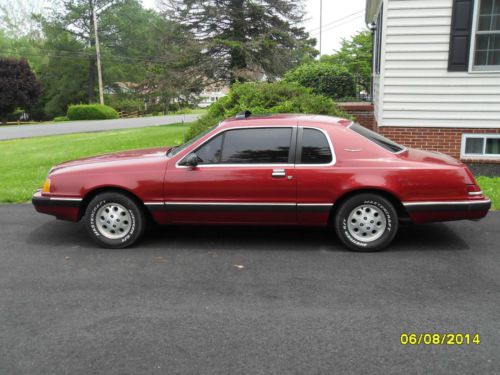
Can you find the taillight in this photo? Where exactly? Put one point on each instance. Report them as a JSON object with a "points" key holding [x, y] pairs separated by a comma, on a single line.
{"points": [[474, 190]]}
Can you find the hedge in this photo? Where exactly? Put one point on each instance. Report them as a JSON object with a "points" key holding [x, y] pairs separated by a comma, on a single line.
{"points": [[265, 98], [91, 112], [324, 78], [61, 118]]}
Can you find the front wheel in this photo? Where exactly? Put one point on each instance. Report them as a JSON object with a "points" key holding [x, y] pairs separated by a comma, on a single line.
{"points": [[114, 220], [366, 222]]}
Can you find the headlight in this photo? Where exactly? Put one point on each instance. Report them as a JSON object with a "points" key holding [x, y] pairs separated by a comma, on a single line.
{"points": [[46, 186]]}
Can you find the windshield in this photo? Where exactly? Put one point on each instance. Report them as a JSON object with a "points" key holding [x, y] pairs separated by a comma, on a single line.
{"points": [[377, 138], [175, 150]]}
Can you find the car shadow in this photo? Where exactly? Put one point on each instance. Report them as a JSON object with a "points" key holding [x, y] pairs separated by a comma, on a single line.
{"points": [[428, 237]]}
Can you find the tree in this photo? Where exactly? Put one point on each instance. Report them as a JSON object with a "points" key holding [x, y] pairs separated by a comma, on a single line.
{"points": [[245, 39], [76, 20], [138, 46], [18, 86], [355, 54]]}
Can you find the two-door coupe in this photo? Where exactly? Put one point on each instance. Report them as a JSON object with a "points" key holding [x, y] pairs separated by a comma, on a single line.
{"points": [[271, 170]]}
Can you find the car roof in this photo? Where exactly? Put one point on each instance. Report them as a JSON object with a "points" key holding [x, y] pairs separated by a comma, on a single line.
{"points": [[285, 119]]}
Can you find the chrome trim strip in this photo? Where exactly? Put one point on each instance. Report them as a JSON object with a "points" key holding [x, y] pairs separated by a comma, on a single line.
{"points": [[64, 199], [475, 193], [315, 204], [190, 203], [227, 204], [412, 204]]}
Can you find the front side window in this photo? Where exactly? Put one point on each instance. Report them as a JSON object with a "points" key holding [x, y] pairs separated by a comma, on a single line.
{"points": [[487, 44], [210, 152], [481, 145], [256, 146], [175, 150], [315, 148]]}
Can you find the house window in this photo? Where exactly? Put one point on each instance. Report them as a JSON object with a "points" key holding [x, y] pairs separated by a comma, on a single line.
{"points": [[487, 38], [480, 146]]}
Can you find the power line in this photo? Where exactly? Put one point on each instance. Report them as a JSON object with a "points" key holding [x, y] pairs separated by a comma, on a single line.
{"points": [[316, 29], [78, 55], [332, 27]]}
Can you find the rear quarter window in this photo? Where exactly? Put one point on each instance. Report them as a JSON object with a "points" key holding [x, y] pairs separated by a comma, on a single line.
{"points": [[377, 138]]}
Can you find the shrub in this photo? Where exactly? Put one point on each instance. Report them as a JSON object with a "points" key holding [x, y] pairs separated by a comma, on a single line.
{"points": [[264, 98], [19, 86], [125, 104], [91, 112], [324, 78], [61, 118]]}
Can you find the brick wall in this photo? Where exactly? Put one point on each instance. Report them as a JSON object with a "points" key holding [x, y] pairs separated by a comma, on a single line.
{"points": [[362, 111], [445, 140]]}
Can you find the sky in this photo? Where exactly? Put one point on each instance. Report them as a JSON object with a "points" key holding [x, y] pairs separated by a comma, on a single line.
{"points": [[341, 19]]}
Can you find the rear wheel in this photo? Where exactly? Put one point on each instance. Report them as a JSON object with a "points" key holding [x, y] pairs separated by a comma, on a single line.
{"points": [[114, 220], [366, 222]]}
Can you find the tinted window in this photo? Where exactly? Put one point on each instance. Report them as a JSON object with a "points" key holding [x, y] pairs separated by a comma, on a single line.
{"points": [[210, 152], [257, 146], [315, 148], [175, 150], [377, 138]]}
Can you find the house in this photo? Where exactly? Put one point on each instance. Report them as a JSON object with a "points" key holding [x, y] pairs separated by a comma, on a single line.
{"points": [[212, 94], [436, 71]]}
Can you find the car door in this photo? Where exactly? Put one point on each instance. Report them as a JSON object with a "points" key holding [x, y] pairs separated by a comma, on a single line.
{"points": [[315, 175], [244, 175]]}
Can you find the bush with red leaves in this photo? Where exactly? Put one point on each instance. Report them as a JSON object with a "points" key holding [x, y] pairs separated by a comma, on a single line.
{"points": [[18, 86]]}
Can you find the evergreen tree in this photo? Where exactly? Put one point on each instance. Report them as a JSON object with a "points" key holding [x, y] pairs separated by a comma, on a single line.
{"points": [[246, 39]]}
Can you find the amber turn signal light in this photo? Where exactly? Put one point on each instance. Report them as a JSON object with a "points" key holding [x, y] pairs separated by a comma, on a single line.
{"points": [[46, 186]]}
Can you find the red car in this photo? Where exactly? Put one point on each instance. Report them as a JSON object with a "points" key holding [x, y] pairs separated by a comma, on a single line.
{"points": [[272, 170]]}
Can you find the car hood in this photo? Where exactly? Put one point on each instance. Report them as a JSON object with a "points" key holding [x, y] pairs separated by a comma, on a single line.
{"points": [[433, 157], [117, 156]]}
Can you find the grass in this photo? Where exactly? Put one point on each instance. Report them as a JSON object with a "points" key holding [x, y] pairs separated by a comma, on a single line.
{"points": [[491, 188], [24, 163]]}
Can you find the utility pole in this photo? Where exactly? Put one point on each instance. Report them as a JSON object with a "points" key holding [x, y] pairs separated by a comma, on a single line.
{"points": [[320, 26], [98, 55]]}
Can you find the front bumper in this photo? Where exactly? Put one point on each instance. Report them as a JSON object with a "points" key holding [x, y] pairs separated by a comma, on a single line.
{"points": [[64, 208]]}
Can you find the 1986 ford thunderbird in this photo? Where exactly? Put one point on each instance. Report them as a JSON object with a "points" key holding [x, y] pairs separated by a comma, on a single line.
{"points": [[270, 170]]}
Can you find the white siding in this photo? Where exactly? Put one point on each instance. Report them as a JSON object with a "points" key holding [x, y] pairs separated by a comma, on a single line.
{"points": [[415, 87]]}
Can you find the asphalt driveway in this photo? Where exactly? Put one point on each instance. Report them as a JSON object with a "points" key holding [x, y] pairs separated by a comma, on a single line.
{"points": [[68, 127], [224, 300]]}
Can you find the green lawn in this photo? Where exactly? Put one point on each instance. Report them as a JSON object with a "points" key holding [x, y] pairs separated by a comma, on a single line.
{"points": [[491, 188], [24, 163]]}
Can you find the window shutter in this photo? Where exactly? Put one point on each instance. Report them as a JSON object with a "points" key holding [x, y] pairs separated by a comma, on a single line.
{"points": [[461, 25]]}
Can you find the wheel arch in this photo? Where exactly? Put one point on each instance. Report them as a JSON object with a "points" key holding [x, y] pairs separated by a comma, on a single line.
{"points": [[91, 194], [391, 197]]}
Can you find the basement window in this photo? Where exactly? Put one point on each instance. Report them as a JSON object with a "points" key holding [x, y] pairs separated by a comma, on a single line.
{"points": [[480, 146]]}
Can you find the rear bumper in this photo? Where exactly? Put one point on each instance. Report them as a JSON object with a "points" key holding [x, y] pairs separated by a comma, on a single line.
{"points": [[64, 208], [421, 212]]}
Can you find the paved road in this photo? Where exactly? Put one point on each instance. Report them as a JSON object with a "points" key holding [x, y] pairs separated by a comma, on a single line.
{"points": [[302, 304], [28, 131]]}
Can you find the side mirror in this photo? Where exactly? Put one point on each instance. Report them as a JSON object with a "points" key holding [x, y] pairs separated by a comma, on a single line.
{"points": [[191, 160]]}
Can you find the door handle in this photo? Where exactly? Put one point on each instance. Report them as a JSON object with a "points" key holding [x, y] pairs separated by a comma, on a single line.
{"points": [[279, 173]]}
